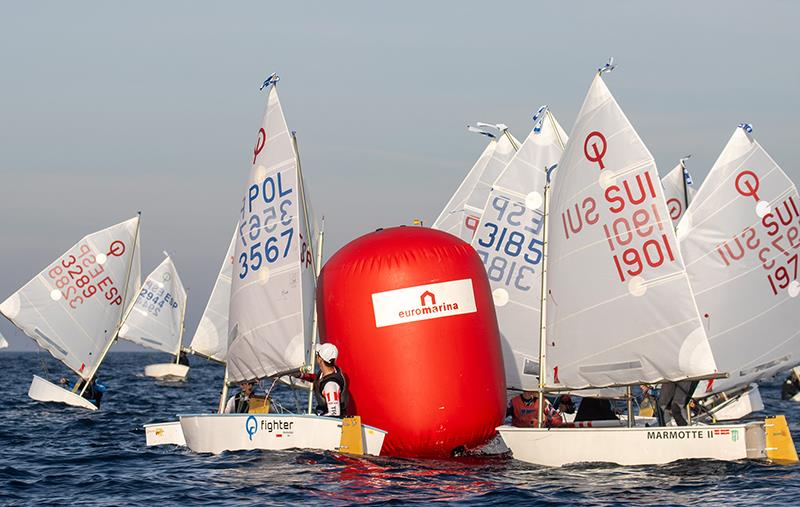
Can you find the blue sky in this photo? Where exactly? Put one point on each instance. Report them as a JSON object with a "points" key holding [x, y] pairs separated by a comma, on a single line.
{"points": [[109, 108]]}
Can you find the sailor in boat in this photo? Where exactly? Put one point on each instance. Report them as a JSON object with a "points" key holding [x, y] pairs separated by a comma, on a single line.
{"points": [[524, 408], [595, 409], [330, 385], [673, 400], [791, 386], [565, 405], [94, 391], [240, 402], [183, 358]]}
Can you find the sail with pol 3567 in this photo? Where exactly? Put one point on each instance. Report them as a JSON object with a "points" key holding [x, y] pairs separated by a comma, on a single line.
{"points": [[620, 310], [273, 284], [741, 241]]}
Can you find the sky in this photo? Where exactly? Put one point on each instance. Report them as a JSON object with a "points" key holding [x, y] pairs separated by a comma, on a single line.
{"points": [[108, 108]]}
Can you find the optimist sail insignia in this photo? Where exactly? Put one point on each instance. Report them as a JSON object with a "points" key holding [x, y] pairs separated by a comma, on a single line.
{"points": [[613, 257]]}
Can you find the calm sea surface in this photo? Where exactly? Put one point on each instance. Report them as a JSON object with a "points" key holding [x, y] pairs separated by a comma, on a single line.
{"points": [[53, 455]]}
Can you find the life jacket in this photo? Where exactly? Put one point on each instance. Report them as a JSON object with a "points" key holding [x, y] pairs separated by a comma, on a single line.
{"points": [[526, 415], [319, 386], [241, 403]]}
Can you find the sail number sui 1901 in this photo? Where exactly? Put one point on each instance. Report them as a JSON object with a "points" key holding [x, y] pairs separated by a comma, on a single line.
{"points": [[510, 242], [266, 229], [634, 229]]}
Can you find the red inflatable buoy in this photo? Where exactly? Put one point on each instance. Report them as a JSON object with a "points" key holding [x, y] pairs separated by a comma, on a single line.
{"points": [[411, 312]]}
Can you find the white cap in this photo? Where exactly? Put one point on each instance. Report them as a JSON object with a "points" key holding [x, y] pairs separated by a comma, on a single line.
{"points": [[327, 351]]}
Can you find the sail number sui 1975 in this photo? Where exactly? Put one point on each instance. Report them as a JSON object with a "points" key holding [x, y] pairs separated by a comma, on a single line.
{"points": [[775, 238], [509, 242]]}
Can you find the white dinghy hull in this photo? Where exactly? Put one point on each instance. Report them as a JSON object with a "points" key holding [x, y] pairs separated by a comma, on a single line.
{"points": [[739, 406], [42, 390], [167, 371], [216, 433], [635, 446], [166, 433]]}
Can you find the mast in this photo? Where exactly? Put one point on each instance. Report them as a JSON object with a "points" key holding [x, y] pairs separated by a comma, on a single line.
{"points": [[683, 179], [315, 322], [183, 328], [127, 311], [224, 393], [543, 301]]}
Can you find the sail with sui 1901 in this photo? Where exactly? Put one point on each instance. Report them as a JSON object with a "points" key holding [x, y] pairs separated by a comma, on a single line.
{"points": [[620, 309]]}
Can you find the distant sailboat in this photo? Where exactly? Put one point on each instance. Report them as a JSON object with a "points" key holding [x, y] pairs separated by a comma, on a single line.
{"points": [[156, 320], [3, 342], [741, 242], [75, 306], [272, 306], [678, 191], [210, 341], [461, 215], [619, 310]]}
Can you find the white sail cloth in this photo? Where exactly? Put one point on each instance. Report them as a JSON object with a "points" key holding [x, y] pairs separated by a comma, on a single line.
{"points": [[677, 192], [211, 337], [74, 306], [509, 241], [619, 309], [3, 342], [740, 239], [272, 290], [156, 319], [462, 213]]}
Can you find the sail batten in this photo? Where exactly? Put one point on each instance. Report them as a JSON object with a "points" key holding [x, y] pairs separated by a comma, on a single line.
{"points": [[74, 306], [272, 286], [619, 306]]}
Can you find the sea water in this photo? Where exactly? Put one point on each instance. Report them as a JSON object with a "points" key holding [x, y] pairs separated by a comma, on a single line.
{"points": [[57, 455]]}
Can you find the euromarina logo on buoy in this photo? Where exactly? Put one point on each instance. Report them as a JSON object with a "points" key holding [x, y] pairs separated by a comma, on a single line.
{"points": [[423, 302]]}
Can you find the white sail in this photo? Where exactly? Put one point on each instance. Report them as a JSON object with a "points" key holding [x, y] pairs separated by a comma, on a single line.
{"points": [[211, 337], [3, 342], [156, 319], [74, 306], [677, 192], [740, 239], [273, 279], [619, 307], [509, 242], [461, 215]]}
